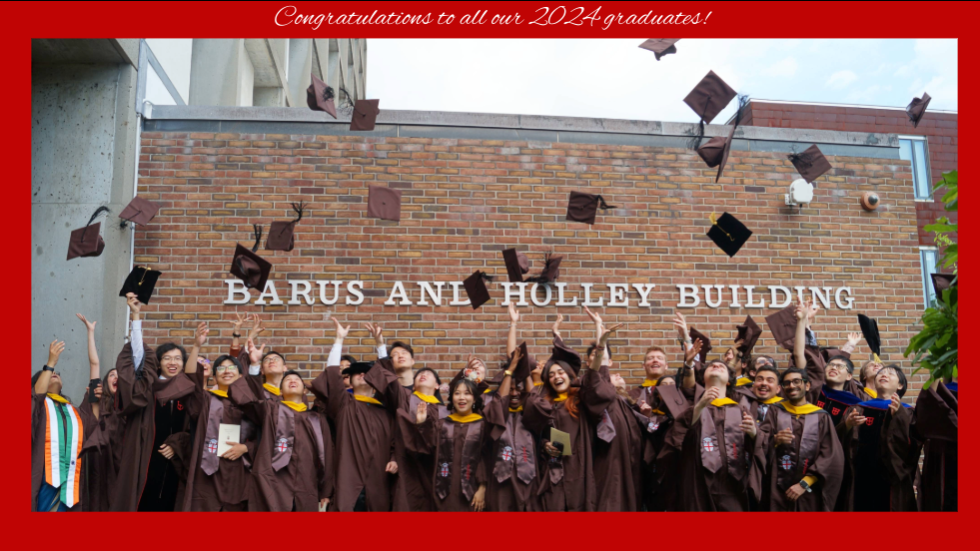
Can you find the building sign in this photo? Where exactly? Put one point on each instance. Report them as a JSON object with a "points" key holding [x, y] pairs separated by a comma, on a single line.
{"points": [[451, 293]]}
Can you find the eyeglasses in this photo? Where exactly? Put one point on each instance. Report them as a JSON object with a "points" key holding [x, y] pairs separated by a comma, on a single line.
{"points": [[223, 368], [172, 359], [791, 382], [272, 360], [837, 365]]}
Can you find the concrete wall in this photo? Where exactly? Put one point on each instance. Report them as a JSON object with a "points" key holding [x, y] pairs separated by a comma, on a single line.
{"points": [[83, 137]]}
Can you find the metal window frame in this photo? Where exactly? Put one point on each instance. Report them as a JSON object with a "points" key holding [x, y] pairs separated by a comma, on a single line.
{"points": [[147, 58], [928, 294], [928, 169]]}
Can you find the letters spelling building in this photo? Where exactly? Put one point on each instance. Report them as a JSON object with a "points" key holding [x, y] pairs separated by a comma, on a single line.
{"points": [[475, 184]]}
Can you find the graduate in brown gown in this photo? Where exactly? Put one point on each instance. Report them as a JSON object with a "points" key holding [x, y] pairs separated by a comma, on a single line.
{"points": [[218, 482], [293, 467], [265, 370], [798, 462], [876, 441], [763, 393], [715, 438], [58, 433], [365, 449], [935, 424], [565, 482]]}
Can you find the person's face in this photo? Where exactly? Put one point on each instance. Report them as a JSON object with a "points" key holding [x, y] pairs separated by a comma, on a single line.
{"points": [[205, 367], [357, 380], [869, 370], [655, 364], [425, 382], [794, 387], [837, 372], [273, 364], [54, 383], [617, 381], [759, 362], [729, 355], [171, 363], [765, 385], [667, 381], [112, 379], [226, 373], [293, 385], [346, 381], [344, 364], [558, 379], [401, 359], [515, 397], [462, 400], [886, 381], [717, 372], [444, 389]]}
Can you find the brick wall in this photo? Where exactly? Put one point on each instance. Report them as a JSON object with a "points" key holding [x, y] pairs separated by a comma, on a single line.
{"points": [[466, 200], [940, 130]]}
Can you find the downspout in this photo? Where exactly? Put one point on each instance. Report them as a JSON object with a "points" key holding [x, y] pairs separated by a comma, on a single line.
{"points": [[136, 175]]}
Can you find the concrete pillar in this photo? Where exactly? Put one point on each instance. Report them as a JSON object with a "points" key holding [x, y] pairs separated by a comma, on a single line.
{"points": [[298, 69], [217, 72]]}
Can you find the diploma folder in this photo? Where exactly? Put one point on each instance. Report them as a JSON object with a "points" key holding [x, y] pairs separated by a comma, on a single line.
{"points": [[564, 438], [228, 433]]}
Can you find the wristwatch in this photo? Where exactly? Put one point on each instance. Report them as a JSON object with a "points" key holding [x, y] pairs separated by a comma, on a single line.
{"points": [[236, 335], [805, 486], [46, 368], [508, 373]]}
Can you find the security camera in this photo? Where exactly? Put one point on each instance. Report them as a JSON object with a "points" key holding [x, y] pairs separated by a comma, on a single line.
{"points": [[800, 193]]}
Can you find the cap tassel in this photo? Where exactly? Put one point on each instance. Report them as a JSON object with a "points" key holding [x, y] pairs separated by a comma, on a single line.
{"points": [[876, 358], [327, 93], [800, 160], [299, 211], [97, 212], [347, 107], [743, 100], [485, 276], [145, 271], [603, 205], [258, 236], [714, 222]]}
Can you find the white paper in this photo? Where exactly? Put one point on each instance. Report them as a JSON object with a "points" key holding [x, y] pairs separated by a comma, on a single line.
{"points": [[228, 433]]}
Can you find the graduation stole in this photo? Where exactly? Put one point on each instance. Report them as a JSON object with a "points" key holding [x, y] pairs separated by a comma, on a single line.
{"points": [[209, 453], [367, 400], [271, 389], [426, 398], [62, 444], [835, 402], [515, 452], [742, 381], [732, 439], [762, 406], [470, 457], [793, 460], [871, 392], [282, 446]]}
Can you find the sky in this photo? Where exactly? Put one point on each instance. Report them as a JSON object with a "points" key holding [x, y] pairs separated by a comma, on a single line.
{"points": [[616, 79]]}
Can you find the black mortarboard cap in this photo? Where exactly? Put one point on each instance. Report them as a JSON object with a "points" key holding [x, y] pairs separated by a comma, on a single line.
{"points": [[728, 233], [941, 282], [517, 265], [811, 164], [384, 203], [319, 97], [364, 115], [582, 207], [87, 240], [565, 357], [476, 289], [782, 324], [705, 343], [660, 46], [141, 281], [523, 370], [749, 333], [357, 367], [709, 97], [140, 211], [917, 108], [249, 267], [869, 328], [281, 233]]}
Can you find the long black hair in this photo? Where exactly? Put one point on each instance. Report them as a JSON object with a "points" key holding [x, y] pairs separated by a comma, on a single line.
{"points": [[471, 386]]}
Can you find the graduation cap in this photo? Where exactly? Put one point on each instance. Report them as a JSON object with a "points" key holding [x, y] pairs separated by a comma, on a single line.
{"points": [[917, 108], [715, 151], [249, 267], [140, 211], [660, 46], [365, 113], [319, 97], [517, 265], [141, 281], [281, 233], [941, 282], [87, 241], [705, 343], [728, 233], [582, 207], [384, 203], [476, 289], [568, 359], [357, 367], [521, 372], [707, 99], [828, 353], [749, 333], [869, 328], [782, 324], [811, 164], [550, 271]]}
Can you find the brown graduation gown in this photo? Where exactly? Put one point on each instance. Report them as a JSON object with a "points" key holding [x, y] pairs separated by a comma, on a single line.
{"points": [[103, 453], [566, 483], [663, 462], [618, 453], [226, 489], [513, 466], [814, 451], [364, 444], [39, 416], [699, 488], [882, 466], [137, 398], [935, 423], [281, 483]]}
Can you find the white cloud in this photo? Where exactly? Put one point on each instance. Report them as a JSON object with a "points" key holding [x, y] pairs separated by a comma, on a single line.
{"points": [[841, 79], [785, 68]]}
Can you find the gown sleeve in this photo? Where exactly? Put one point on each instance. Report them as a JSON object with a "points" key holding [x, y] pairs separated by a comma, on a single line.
{"points": [[134, 391]]}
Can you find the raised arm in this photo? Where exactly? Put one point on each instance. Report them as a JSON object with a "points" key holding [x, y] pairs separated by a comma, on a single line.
{"points": [[799, 345], [337, 350], [691, 350], [93, 358], [599, 330], [200, 338], [236, 334], [54, 352], [852, 341], [136, 330], [379, 339], [515, 317]]}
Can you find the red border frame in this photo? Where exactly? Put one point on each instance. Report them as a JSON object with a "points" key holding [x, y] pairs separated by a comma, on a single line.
{"points": [[214, 20]]}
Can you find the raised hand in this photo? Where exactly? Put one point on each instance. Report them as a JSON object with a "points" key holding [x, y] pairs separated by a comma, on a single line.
{"points": [[421, 413], [376, 332], [201, 334], [134, 305], [254, 353], [801, 309], [607, 334], [853, 338], [555, 328], [515, 316], [341, 330], [515, 359], [854, 419], [596, 319], [54, 352], [240, 319], [89, 325], [784, 437], [747, 425], [812, 309], [257, 328], [693, 351], [681, 325]]}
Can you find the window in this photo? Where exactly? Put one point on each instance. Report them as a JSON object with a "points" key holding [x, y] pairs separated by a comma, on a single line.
{"points": [[913, 148], [928, 256]]}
